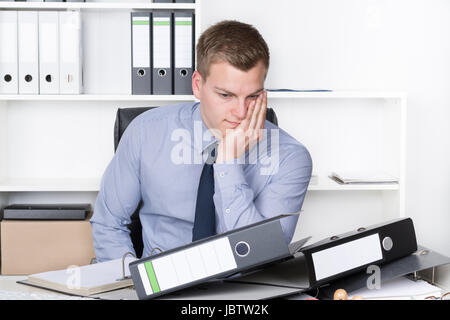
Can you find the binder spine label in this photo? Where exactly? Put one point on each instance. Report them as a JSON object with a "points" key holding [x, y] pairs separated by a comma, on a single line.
{"points": [[141, 42], [8, 35], [183, 42], [182, 267], [342, 258], [161, 36]]}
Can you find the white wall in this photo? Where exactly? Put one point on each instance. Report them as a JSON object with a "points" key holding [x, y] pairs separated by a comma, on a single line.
{"points": [[397, 45]]}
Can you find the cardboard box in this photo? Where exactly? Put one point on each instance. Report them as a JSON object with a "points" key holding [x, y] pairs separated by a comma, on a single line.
{"points": [[31, 246]]}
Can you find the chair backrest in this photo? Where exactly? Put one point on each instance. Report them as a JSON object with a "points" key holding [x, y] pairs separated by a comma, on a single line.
{"points": [[124, 117]]}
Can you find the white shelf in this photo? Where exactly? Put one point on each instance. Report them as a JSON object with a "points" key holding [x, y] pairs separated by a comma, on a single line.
{"points": [[93, 185], [339, 94], [323, 183], [50, 185], [94, 5], [271, 95], [96, 97]]}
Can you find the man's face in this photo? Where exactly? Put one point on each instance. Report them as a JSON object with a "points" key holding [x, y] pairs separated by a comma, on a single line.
{"points": [[226, 94]]}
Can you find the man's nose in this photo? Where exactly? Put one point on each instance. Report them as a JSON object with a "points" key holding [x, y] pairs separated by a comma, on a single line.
{"points": [[240, 109]]}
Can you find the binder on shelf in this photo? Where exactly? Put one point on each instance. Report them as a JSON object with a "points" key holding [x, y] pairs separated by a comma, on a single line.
{"points": [[162, 1], [48, 52], [70, 81], [162, 52], [183, 51], [339, 256], [8, 53], [28, 52], [141, 75], [218, 256], [184, 1]]}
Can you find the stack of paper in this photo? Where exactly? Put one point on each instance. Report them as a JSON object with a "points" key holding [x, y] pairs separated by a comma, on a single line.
{"points": [[399, 289], [362, 177], [85, 280]]}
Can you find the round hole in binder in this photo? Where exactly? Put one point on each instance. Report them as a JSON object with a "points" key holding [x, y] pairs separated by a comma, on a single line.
{"points": [[7, 77], [334, 238], [162, 72], [28, 78], [242, 248], [48, 78], [361, 229], [183, 72], [141, 72]]}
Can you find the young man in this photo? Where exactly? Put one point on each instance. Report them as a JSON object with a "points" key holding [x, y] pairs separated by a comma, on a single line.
{"points": [[204, 168]]}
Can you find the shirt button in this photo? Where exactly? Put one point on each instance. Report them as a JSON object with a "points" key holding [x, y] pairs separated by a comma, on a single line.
{"points": [[227, 210], [222, 174]]}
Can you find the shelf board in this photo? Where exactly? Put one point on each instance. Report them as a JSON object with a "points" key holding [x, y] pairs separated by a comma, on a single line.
{"points": [[95, 5], [271, 95], [339, 95], [50, 185], [93, 185], [323, 183], [96, 97]]}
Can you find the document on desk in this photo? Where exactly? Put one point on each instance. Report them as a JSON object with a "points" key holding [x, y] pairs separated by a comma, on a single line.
{"points": [[401, 288], [85, 280]]}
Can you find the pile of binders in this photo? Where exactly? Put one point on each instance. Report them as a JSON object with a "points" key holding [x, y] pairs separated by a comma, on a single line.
{"points": [[40, 52], [162, 50]]}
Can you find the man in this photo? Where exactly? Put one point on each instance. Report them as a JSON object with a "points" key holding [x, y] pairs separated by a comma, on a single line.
{"points": [[204, 168]]}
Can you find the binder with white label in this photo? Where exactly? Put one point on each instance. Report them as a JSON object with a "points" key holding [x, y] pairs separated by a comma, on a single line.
{"points": [[183, 51], [342, 255], [218, 256], [28, 52], [9, 83], [162, 52], [141, 76], [48, 52], [70, 53]]}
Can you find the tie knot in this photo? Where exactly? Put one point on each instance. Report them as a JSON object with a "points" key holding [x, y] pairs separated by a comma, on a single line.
{"points": [[212, 153]]}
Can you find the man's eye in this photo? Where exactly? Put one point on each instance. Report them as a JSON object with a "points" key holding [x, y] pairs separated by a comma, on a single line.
{"points": [[225, 95], [253, 97]]}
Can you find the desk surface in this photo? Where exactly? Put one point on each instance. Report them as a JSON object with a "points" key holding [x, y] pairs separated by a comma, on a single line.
{"points": [[11, 290]]}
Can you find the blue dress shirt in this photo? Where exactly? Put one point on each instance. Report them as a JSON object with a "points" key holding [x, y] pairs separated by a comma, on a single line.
{"points": [[159, 161]]}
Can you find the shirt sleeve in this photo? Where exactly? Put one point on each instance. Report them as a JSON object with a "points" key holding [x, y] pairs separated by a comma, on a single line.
{"points": [[118, 198], [238, 205]]}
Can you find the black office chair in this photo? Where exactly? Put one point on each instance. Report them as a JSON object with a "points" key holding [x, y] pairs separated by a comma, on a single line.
{"points": [[123, 118]]}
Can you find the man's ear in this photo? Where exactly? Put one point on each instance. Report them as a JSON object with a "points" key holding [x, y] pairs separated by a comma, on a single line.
{"points": [[197, 82]]}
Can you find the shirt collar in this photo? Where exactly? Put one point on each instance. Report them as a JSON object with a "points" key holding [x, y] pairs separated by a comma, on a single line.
{"points": [[203, 138]]}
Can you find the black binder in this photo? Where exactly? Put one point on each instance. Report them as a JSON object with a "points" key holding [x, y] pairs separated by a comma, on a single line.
{"points": [[218, 256], [184, 35], [141, 69], [342, 255]]}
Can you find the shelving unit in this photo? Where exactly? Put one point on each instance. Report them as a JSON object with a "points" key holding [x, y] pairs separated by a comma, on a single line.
{"points": [[95, 5], [57, 146]]}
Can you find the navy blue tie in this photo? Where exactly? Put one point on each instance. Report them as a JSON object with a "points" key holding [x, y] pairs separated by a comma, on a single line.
{"points": [[205, 211]]}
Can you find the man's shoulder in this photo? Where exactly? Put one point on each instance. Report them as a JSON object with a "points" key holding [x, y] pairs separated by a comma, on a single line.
{"points": [[289, 148]]}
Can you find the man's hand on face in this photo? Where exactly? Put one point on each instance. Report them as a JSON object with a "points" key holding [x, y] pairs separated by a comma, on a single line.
{"points": [[245, 136]]}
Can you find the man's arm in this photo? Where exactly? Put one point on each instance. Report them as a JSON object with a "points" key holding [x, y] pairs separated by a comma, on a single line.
{"points": [[236, 203], [118, 198]]}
